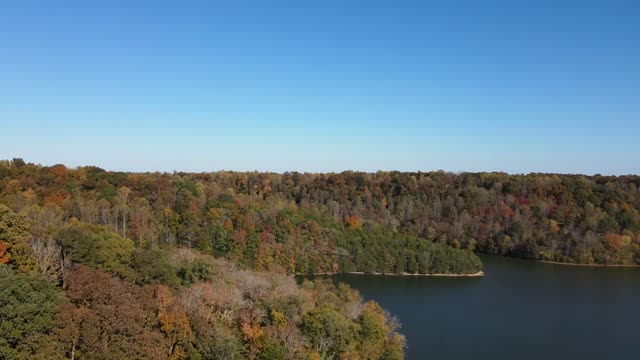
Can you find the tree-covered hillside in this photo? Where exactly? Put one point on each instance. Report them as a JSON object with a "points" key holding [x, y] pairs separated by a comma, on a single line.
{"points": [[106, 265], [255, 220], [109, 265], [86, 292], [567, 218]]}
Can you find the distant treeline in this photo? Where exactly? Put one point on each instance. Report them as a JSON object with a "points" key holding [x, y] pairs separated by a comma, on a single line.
{"points": [[566, 218], [261, 221]]}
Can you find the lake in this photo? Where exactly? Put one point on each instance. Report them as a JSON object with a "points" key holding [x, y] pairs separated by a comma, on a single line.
{"points": [[518, 310]]}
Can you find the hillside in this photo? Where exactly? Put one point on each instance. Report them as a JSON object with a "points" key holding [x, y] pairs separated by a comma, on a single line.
{"points": [[564, 218]]}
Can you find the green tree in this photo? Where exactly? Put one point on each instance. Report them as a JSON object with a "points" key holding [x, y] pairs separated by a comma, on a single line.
{"points": [[329, 331], [96, 247], [153, 267], [14, 241], [28, 305]]}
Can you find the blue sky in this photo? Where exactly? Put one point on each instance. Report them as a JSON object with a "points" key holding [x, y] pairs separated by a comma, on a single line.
{"points": [[516, 86]]}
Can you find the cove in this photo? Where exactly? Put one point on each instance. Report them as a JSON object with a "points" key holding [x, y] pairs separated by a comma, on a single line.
{"points": [[519, 310]]}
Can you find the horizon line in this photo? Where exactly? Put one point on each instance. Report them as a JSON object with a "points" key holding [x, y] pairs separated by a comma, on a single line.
{"points": [[212, 171]]}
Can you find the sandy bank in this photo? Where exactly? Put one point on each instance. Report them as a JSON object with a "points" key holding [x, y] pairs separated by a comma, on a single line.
{"points": [[476, 274], [586, 265]]}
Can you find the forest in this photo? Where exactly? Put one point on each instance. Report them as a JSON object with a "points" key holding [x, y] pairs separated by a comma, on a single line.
{"points": [[105, 265], [90, 293], [96, 264], [305, 223], [246, 218]]}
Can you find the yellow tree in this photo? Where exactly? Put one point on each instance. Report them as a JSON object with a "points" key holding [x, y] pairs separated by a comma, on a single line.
{"points": [[174, 322]]}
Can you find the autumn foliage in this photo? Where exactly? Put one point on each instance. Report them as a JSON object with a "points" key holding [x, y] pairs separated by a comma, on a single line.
{"points": [[195, 266], [4, 255]]}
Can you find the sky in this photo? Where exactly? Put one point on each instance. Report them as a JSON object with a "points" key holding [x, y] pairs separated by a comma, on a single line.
{"points": [[322, 86]]}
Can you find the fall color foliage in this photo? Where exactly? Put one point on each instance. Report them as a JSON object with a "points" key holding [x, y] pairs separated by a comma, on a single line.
{"points": [[196, 266]]}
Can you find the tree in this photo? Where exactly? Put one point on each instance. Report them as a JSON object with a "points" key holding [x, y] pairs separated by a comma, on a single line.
{"points": [[49, 259], [4, 253], [330, 332], [14, 239], [174, 322], [153, 267], [123, 207], [109, 318], [95, 246], [28, 305], [142, 221], [372, 330]]}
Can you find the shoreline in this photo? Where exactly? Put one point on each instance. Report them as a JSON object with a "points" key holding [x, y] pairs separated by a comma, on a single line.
{"points": [[476, 274], [586, 265]]}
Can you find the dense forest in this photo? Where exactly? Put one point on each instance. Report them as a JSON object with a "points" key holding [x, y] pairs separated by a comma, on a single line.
{"points": [[97, 264], [89, 293], [255, 220], [184, 306], [105, 265], [305, 223]]}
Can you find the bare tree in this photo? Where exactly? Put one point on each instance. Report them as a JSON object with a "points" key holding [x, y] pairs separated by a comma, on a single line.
{"points": [[123, 207], [49, 258]]}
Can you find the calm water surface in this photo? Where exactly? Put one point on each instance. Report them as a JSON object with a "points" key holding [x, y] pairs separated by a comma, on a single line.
{"points": [[519, 310]]}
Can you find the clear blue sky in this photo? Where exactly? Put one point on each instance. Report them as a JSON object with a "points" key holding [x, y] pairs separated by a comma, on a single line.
{"points": [[516, 86]]}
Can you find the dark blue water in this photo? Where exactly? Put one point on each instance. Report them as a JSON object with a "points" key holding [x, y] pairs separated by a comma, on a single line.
{"points": [[519, 310]]}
